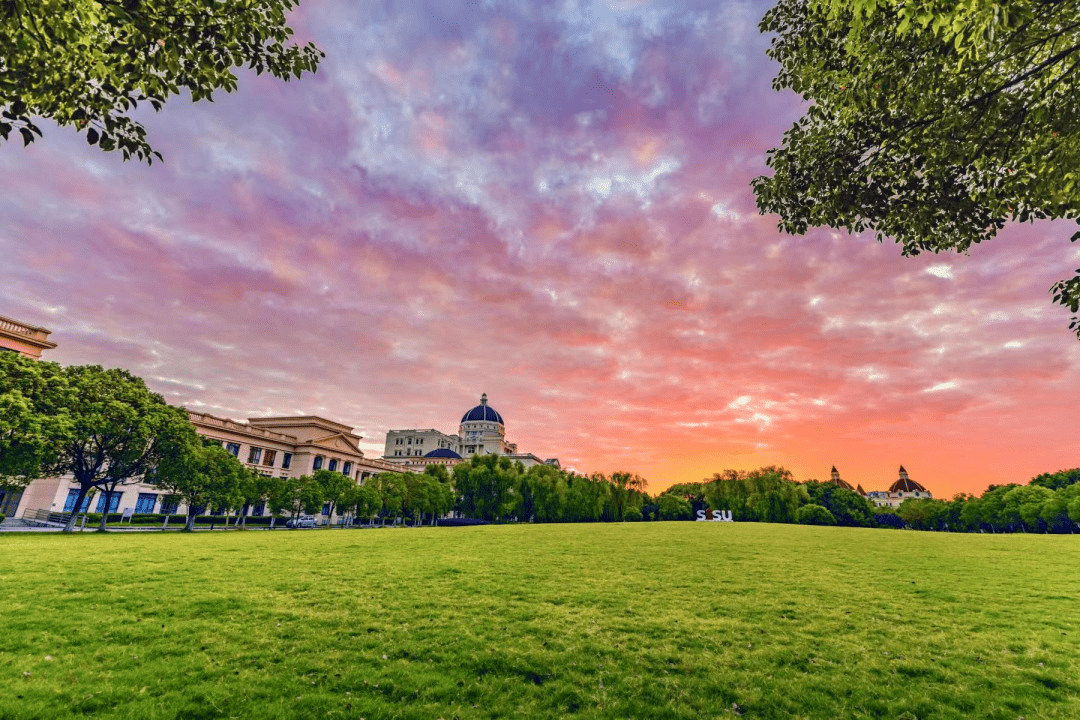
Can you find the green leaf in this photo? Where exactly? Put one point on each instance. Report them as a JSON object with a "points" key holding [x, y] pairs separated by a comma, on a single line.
{"points": [[92, 136]]}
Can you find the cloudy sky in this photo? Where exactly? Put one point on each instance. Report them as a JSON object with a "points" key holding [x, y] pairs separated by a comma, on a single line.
{"points": [[547, 202]]}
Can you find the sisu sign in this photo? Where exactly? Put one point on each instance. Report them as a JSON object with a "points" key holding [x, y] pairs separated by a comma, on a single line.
{"points": [[717, 516]]}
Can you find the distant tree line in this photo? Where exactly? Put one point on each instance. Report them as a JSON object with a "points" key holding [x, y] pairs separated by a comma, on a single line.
{"points": [[104, 428]]}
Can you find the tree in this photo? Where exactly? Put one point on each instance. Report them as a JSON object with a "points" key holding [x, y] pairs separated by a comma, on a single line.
{"points": [[673, 507], [115, 431], [931, 122], [366, 501], [585, 498], [486, 485], [90, 63], [626, 488], [201, 474], [34, 419], [1058, 480], [252, 489], [847, 506], [281, 497], [768, 494], [548, 488], [1023, 505], [393, 489], [814, 514], [334, 488]]}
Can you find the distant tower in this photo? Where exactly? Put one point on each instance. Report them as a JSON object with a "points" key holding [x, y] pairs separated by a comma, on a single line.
{"points": [[835, 480]]}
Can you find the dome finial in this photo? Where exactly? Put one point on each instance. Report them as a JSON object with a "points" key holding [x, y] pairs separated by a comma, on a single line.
{"points": [[483, 399]]}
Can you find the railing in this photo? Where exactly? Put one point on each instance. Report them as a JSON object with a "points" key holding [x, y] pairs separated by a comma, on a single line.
{"points": [[14, 326], [46, 516], [225, 424]]}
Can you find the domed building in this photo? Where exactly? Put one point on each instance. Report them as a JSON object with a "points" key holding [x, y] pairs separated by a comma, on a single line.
{"points": [[901, 490], [836, 480], [482, 431]]}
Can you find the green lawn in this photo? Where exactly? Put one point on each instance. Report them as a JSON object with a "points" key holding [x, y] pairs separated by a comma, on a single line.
{"points": [[662, 620]]}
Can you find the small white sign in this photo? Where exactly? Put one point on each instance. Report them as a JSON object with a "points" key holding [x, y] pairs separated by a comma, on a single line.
{"points": [[717, 516], [128, 512]]}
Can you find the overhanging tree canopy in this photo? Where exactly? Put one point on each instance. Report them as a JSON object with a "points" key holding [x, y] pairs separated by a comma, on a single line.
{"points": [[90, 63], [933, 122]]}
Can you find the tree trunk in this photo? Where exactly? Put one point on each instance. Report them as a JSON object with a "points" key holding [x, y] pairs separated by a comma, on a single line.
{"points": [[70, 526], [189, 526], [166, 523], [105, 515]]}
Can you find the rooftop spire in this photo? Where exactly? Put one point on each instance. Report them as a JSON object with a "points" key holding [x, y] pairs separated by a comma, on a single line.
{"points": [[483, 401]]}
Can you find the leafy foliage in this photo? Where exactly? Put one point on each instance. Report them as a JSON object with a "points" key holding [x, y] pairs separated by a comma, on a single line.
{"points": [[814, 514], [203, 475], [932, 122], [91, 63], [34, 397]]}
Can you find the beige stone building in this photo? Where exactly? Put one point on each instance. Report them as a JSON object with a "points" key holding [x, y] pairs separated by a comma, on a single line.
{"points": [[481, 432], [29, 340], [274, 446]]}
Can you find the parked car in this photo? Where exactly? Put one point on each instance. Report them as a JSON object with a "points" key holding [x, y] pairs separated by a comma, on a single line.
{"points": [[304, 521]]}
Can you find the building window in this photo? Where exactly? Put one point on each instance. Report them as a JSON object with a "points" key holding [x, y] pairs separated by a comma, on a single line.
{"points": [[410, 441], [73, 495], [254, 454], [269, 458], [234, 448], [114, 501], [258, 510], [169, 504], [326, 509], [420, 441], [286, 460], [145, 503], [346, 469], [317, 465], [333, 464]]}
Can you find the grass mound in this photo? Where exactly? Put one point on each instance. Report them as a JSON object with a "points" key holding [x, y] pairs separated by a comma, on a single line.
{"points": [[649, 620]]}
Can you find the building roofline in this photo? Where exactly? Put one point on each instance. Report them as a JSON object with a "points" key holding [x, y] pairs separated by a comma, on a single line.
{"points": [[214, 421], [286, 420]]}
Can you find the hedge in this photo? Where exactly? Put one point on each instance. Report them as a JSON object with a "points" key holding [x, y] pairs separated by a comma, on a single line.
{"points": [[159, 519]]}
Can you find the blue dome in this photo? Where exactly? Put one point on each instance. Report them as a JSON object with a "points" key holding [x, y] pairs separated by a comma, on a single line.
{"points": [[443, 453], [482, 412]]}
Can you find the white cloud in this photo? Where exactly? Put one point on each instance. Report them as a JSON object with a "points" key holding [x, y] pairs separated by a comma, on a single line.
{"points": [[941, 271]]}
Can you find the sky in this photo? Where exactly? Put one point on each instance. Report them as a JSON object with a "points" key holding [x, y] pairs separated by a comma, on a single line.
{"points": [[549, 203]]}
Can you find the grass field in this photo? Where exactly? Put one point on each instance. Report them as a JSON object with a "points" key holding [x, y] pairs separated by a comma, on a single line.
{"points": [[659, 620]]}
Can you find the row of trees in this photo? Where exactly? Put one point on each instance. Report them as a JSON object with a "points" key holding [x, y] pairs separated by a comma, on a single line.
{"points": [[1048, 503]]}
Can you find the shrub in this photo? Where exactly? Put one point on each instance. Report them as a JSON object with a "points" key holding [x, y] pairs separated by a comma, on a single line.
{"points": [[632, 514], [889, 520], [814, 515], [2, 516], [673, 507]]}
